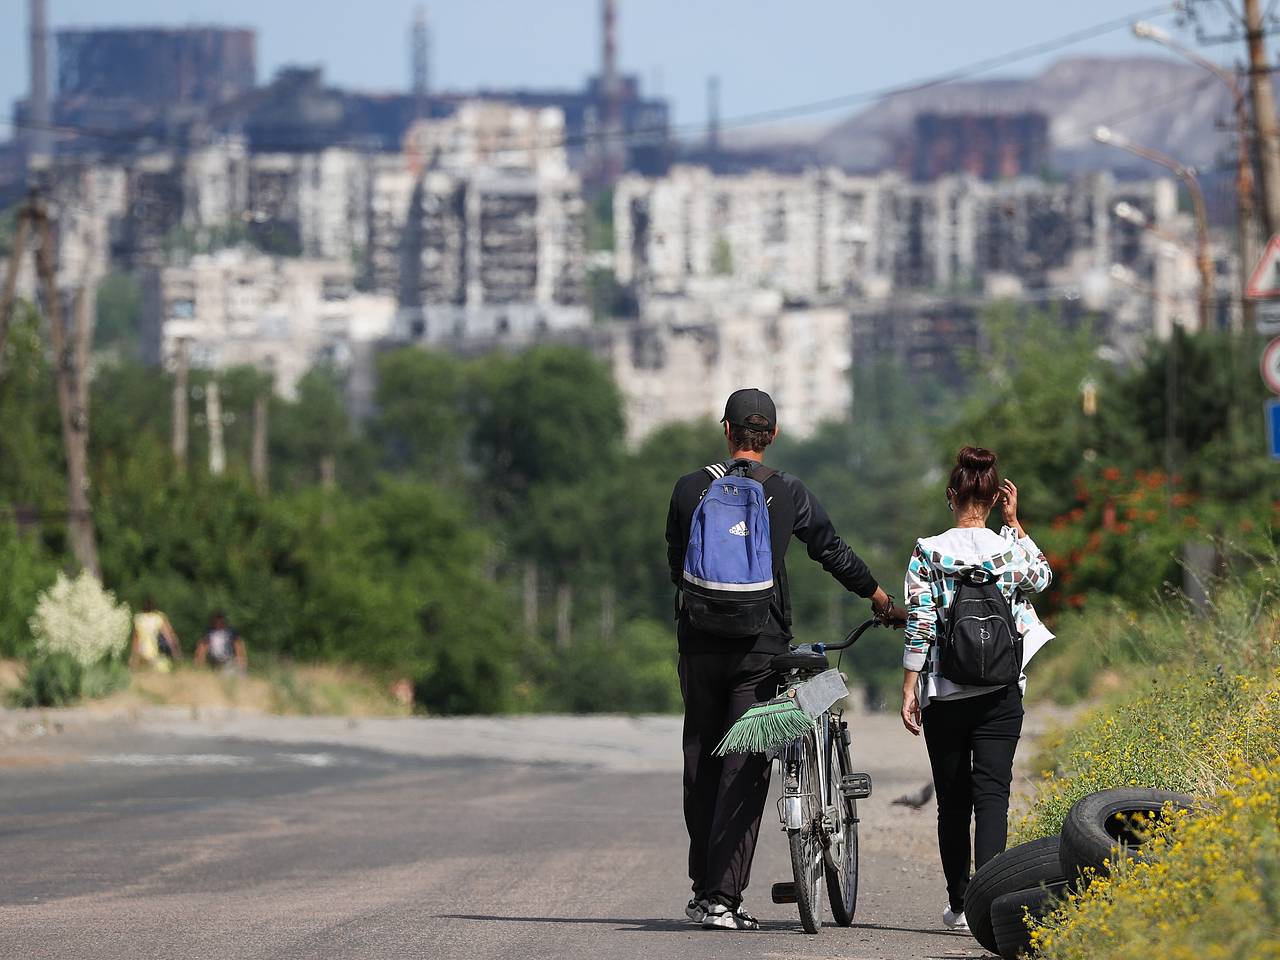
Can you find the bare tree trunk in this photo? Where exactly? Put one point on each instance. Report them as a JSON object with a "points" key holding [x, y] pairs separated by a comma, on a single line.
{"points": [[608, 614], [328, 471], [213, 414], [11, 276], [180, 395], [530, 598], [258, 463], [1264, 116], [564, 616], [71, 362]]}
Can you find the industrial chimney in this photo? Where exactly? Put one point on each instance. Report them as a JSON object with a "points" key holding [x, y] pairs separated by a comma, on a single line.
{"points": [[40, 139], [612, 149], [421, 48]]}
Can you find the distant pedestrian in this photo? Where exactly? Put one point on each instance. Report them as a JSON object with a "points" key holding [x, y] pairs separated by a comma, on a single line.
{"points": [[154, 642], [970, 631], [221, 647]]}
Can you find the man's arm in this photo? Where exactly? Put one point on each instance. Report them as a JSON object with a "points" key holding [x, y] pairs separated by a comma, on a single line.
{"points": [[675, 538]]}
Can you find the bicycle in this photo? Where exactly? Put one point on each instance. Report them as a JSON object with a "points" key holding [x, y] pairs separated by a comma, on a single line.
{"points": [[819, 803]]}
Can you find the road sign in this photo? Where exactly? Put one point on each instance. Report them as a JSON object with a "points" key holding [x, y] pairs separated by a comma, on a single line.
{"points": [[1271, 365], [1273, 429], [1264, 282], [1267, 317]]}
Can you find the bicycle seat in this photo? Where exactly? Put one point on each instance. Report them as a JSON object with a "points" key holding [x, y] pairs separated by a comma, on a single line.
{"points": [[803, 659]]}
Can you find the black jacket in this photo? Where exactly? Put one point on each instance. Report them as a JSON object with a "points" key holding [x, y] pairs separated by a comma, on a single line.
{"points": [[792, 510]]}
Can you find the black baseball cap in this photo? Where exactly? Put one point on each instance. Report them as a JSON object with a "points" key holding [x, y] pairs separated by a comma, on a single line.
{"points": [[744, 404]]}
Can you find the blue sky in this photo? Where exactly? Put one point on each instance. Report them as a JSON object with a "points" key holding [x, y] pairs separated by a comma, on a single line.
{"points": [[768, 53]]}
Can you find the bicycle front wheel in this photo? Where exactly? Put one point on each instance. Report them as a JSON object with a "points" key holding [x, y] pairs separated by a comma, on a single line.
{"points": [[842, 858], [807, 866]]}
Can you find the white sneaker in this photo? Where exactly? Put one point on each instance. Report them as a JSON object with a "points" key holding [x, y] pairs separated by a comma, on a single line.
{"points": [[721, 917], [696, 910], [955, 921]]}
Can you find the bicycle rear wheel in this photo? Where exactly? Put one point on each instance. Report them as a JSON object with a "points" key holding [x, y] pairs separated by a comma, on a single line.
{"points": [[806, 843], [842, 854]]}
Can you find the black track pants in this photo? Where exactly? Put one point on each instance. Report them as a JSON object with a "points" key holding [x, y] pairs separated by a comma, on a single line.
{"points": [[723, 798], [971, 745]]}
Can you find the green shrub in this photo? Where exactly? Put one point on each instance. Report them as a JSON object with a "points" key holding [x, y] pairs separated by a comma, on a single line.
{"points": [[25, 570], [103, 679], [633, 673], [54, 680], [1206, 696]]}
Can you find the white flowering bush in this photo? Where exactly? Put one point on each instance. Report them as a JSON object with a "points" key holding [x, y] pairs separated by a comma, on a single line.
{"points": [[81, 619]]}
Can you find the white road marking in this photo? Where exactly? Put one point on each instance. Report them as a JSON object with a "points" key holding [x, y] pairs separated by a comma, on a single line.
{"points": [[172, 759]]}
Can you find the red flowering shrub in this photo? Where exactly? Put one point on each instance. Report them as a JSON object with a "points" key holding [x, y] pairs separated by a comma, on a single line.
{"points": [[1124, 536]]}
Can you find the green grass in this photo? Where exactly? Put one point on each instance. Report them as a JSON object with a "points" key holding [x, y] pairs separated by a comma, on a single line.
{"points": [[1197, 710]]}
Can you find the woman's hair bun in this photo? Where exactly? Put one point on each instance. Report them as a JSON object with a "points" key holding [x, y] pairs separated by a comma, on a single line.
{"points": [[976, 458]]}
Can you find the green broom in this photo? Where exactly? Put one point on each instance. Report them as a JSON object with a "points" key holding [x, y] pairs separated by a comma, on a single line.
{"points": [[766, 726]]}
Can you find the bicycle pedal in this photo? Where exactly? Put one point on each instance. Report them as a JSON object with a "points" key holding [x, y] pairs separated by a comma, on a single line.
{"points": [[856, 786], [784, 892]]}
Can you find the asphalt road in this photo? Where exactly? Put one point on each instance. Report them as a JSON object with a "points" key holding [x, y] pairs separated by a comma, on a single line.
{"points": [[176, 837]]}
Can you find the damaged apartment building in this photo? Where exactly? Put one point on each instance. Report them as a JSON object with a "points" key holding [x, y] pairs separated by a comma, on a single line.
{"points": [[825, 235], [474, 230], [492, 247]]}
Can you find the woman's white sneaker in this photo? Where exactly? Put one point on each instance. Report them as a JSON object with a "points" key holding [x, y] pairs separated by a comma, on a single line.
{"points": [[953, 920]]}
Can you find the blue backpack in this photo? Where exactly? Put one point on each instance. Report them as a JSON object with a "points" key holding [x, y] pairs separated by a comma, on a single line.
{"points": [[728, 564]]}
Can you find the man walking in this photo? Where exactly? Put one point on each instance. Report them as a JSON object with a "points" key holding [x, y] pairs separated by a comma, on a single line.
{"points": [[722, 671]]}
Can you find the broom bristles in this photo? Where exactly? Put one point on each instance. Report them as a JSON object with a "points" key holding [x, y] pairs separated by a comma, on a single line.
{"points": [[764, 727]]}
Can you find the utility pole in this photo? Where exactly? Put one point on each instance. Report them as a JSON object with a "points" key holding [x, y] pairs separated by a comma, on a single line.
{"points": [[1264, 116], [258, 457], [213, 416], [180, 395], [71, 368], [8, 292]]}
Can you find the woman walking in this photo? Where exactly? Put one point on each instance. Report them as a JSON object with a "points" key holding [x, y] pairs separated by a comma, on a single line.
{"points": [[971, 729]]}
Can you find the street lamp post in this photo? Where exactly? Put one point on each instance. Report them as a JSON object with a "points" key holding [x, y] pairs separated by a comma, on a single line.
{"points": [[1187, 175], [1244, 165]]}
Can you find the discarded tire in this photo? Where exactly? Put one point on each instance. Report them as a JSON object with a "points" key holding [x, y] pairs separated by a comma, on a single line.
{"points": [[1101, 827], [1009, 917], [1024, 867]]}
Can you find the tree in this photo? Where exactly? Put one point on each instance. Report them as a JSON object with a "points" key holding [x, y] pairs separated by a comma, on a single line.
{"points": [[119, 316], [420, 424], [550, 415], [311, 430], [1025, 404]]}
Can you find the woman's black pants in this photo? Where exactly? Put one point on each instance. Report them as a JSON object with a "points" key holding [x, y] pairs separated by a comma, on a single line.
{"points": [[971, 744]]}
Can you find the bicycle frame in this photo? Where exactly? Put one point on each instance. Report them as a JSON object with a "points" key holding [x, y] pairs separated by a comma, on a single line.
{"points": [[790, 804]]}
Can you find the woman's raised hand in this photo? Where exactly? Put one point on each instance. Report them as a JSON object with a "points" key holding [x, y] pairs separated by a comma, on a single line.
{"points": [[1009, 501]]}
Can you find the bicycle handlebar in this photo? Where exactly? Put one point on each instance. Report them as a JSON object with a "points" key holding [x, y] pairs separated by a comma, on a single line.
{"points": [[851, 639]]}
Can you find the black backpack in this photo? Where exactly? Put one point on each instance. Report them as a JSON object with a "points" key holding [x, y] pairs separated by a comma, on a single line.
{"points": [[979, 643]]}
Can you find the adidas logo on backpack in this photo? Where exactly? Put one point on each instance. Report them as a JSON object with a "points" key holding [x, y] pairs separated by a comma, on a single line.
{"points": [[728, 564]]}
